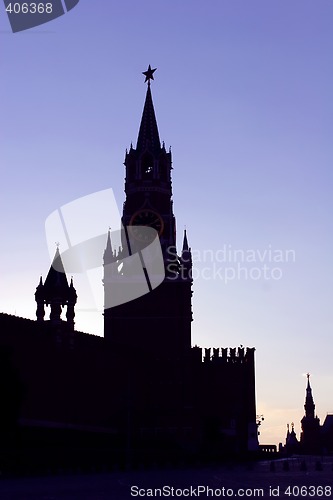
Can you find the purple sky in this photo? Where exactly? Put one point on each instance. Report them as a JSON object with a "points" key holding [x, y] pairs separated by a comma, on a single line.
{"points": [[243, 95]]}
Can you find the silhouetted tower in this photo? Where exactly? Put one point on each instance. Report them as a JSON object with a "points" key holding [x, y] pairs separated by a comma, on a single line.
{"points": [[292, 444], [56, 292], [309, 406], [159, 321], [71, 301], [310, 435], [39, 297], [288, 434], [186, 260]]}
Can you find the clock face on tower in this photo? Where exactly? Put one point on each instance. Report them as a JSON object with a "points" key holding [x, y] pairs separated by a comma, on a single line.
{"points": [[148, 218]]}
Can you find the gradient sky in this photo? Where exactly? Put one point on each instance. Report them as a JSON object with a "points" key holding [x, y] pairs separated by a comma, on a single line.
{"points": [[243, 94]]}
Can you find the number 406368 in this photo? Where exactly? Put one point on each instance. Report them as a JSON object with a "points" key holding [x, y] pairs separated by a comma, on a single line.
{"points": [[29, 8]]}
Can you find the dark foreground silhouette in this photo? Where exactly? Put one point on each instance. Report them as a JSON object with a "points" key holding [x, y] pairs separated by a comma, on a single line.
{"points": [[258, 480]]}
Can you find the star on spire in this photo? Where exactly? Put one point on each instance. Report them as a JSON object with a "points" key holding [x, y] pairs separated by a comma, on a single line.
{"points": [[149, 74]]}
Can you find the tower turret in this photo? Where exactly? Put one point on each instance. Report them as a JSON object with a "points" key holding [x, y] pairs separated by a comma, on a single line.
{"points": [[186, 260], [72, 298], [39, 297], [56, 293]]}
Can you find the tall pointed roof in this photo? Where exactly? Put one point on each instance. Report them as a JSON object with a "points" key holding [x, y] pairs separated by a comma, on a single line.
{"points": [[71, 291], [108, 252], [185, 242], [56, 283], [309, 403], [148, 137], [39, 294]]}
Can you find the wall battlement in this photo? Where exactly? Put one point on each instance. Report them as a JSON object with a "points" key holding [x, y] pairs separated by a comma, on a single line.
{"points": [[233, 355]]}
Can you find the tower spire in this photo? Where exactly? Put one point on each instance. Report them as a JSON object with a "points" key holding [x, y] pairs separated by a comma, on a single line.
{"points": [[148, 138], [185, 242], [288, 433], [309, 406], [108, 252], [186, 260]]}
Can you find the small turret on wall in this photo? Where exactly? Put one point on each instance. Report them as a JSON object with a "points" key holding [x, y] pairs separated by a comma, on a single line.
{"points": [[57, 294]]}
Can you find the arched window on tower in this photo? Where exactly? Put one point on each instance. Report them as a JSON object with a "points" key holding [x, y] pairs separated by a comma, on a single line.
{"points": [[147, 166]]}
